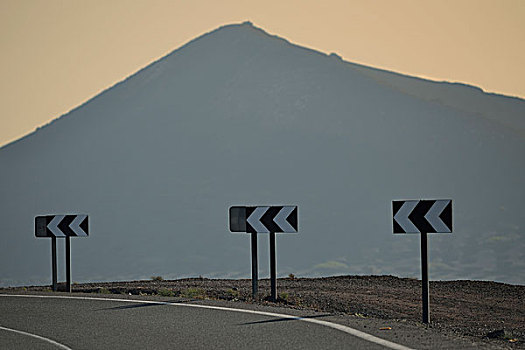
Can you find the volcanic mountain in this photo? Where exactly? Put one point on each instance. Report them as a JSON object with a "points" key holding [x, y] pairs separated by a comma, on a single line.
{"points": [[240, 117]]}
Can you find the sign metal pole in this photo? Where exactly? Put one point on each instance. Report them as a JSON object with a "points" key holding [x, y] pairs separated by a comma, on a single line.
{"points": [[68, 264], [273, 278], [424, 278], [54, 263], [255, 276]]}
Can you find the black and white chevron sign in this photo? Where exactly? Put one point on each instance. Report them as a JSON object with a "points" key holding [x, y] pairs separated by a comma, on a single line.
{"points": [[422, 216], [278, 219], [61, 226]]}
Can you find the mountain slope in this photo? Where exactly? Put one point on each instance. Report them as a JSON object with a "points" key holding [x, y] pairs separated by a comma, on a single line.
{"points": [[238, 117]]}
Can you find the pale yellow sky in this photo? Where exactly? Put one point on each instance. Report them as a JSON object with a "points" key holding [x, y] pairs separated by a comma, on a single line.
{"points": [[56, 54]]}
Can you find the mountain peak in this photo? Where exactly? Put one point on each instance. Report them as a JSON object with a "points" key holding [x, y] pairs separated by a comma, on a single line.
{"points": [[237, 48]]}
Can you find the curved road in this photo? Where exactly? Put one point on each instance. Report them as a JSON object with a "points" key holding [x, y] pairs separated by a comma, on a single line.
{"points": [[53, 322], [116, 322]]}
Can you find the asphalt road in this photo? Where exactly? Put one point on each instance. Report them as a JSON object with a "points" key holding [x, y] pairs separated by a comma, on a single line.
{"points": [[94, 323]]}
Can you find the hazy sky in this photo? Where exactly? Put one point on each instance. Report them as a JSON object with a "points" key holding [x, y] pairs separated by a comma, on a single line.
{"points": [[56, 54]]}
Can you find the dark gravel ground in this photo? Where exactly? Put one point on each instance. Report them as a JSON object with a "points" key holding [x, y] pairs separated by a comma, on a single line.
{"points": [[488, 311]]}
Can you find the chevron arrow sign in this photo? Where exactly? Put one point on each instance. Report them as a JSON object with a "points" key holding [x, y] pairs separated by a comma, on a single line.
{"points": [[61, 226], [422, 216], [264, 219]]}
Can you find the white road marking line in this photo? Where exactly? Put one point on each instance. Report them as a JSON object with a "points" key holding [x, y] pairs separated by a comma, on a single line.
{"points": [[346, 329], [50, 341]]}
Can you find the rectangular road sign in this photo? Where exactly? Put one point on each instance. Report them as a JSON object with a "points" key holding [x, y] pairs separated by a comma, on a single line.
{"points": [[417, 216], [264, 219], [61, 226]]}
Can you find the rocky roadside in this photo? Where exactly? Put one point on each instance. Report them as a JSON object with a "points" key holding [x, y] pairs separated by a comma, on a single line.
{"points": [[488, 311]]}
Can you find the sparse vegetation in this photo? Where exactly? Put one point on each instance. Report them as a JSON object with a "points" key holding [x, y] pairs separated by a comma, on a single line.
{"points": [[157, 278], [103, 290], [291, 276], [284, 296], [193, 293], [233, 292], [165, 292]]}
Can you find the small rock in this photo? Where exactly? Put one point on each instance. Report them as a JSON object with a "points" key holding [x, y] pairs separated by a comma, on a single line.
{"points": [[497, 334]]}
